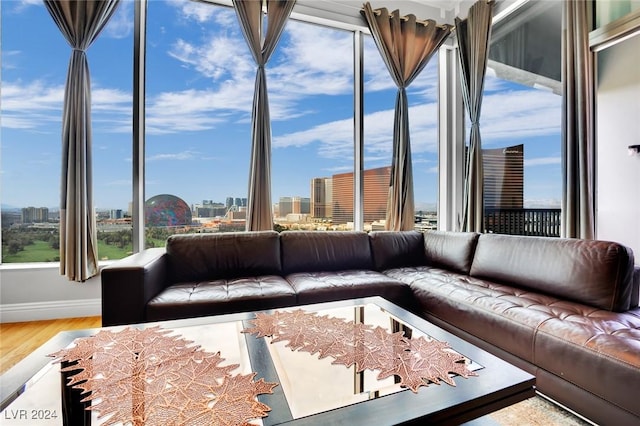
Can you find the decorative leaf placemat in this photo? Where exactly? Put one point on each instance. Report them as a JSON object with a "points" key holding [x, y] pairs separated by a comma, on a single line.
{"points": [[417, 362], [147, 377]]}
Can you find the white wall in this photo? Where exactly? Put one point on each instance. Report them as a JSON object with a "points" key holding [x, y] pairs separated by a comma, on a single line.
{"points": [[618, 126], [40, 292]]}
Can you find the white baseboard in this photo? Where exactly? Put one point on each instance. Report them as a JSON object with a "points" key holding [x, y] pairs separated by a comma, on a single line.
{"points": [[19, 312]]}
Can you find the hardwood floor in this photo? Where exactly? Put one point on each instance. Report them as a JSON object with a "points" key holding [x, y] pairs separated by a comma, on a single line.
{"points": [[19, 339]]}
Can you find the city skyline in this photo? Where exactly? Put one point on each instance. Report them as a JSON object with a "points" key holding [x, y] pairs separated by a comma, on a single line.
{"points": [[198, 110]]}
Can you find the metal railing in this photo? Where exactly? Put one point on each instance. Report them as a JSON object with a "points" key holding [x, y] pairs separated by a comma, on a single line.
{"points": [[536, 222]]}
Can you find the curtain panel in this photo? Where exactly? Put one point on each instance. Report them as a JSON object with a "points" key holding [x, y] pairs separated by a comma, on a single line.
{"points": [[262, 42], [578, 122], [474, 34], [406, 45], [80, 22]]}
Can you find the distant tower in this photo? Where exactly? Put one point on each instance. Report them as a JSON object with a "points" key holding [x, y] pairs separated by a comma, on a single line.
{"points": [[321, 197], [376, 190], [229, 202], [285, 206], [115, 214], [35, 215], [503, 177]]}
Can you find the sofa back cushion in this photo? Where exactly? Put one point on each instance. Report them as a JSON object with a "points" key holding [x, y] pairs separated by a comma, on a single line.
{"points": [[199, 257], [595, 273], [450, 250], [394, 249], [314, 251]]}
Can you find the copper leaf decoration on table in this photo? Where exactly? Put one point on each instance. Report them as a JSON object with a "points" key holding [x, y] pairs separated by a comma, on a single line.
{"points": [[149, 377], [417, 362]]}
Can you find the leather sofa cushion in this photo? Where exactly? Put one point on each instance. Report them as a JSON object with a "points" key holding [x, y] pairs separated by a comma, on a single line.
{"points": [[450, 250], [316, 287], [498, 314], [313, 251], [203, 298], [393, 249], [203, 257], [596, 273], [594, 349]]}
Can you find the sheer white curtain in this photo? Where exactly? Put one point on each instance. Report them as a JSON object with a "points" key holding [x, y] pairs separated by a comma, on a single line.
{"points": [[262, 42], [80, 22], [474, 34], [406, 45]]}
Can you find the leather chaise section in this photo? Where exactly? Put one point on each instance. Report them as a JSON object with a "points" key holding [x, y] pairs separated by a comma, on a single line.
{"points": [[593, 349], [503, 316], [596, 273]]}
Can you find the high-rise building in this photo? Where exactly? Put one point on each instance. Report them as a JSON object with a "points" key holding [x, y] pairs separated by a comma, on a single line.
{"points": [[342, 200], [294, 205], [376, 190], [301, 205], [229, 202], [238, 202], [285, 206], [322, 197], [115, 214], [503, 177], [209, 208], [35, 215]]}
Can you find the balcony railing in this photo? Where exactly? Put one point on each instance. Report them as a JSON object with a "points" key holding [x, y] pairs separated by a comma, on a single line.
{"points": [[536, 222]]}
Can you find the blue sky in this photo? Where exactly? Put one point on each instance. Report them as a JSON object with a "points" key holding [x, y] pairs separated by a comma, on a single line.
{"points": [[200, 79]]}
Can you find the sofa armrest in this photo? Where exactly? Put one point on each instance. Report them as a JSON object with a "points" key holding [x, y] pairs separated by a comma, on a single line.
{"points": [[129, 283]]}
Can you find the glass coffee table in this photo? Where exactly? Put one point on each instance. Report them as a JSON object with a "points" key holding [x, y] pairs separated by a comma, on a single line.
{"points": [[362, 361]]}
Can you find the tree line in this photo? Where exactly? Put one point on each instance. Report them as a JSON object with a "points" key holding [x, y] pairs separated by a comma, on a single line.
{"points": [[17, 239]]}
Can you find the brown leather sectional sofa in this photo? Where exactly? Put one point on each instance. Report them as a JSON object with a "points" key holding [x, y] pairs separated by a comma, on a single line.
{"points": [[565, 310]]}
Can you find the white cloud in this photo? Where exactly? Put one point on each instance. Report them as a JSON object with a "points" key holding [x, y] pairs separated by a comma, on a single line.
{"points": [[335, 139], [10, 58], [520, 114], [220, 57], [121, 23], [21, 5], [36, 105], [198, 11], [32, 105], [179, 156]]}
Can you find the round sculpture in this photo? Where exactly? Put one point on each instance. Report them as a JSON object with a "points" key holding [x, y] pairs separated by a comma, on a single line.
{"points": [[166, 210]]}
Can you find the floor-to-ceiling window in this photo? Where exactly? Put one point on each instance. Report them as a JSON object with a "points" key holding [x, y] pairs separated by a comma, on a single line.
{"points": [[199, 89], [379, 103], [521, 123], [35, 58], [311, 80], [199, 84]]}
